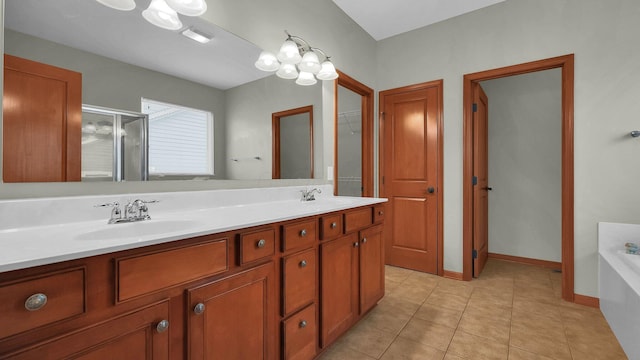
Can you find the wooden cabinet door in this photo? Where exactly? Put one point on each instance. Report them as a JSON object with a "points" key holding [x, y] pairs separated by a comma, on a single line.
{"points": [[338, 286], [234, 318], [371, 267], [42, 119], [132, 336]]}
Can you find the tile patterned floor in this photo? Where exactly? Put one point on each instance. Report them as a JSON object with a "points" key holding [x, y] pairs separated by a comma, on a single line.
{"points": [[513, 311]]}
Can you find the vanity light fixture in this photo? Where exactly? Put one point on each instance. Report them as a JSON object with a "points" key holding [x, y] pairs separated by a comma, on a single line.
{"points": [[162, 13], [298, 60], [196, 35]]}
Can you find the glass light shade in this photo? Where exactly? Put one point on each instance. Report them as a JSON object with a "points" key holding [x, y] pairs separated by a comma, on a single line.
{"points": [[306, 78], [287, 71], [310, 62], [289, 53], [160, 14], [267, 62], [188, 7], [328, 71], [124, 5]]}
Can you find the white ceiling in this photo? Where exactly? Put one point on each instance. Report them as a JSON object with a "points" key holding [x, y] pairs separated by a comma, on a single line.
{"points": [[383, 19], [225, 62]]}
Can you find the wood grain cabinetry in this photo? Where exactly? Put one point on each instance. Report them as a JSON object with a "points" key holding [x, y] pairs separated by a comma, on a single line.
{"points": [[233, 318], [231, 295]]}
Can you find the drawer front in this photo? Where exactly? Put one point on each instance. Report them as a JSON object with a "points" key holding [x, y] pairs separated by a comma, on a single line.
{"points": [[299, 280], [378, 213], [257, 245], [331, 226], [149, 273], [357, 219], [300, 332], [65, 298], [298, 235]]}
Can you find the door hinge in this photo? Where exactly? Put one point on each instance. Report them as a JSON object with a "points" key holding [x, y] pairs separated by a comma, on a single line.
{"points": [[474, 107], [475, 254], [474, 180]]}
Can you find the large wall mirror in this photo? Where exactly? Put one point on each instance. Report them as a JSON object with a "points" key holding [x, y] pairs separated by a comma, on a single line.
{"points": [[123, 60]]}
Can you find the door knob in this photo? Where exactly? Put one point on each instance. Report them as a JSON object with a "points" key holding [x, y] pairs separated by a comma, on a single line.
{"points": [[487, 188], [431, 190]]}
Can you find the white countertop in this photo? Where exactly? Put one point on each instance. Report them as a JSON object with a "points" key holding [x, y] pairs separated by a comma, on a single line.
{"points": [[178, 216], [611, 240]]}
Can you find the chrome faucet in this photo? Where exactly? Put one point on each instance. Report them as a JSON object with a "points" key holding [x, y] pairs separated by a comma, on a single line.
{"points": [[136, 210], [308, 195]]}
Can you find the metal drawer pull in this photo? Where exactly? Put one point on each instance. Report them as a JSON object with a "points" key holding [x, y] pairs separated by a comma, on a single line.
{"points": [[356, 244], [364, 240], [380, 212], [303, 324], [35, 302], [198, 309], [162, 326], [334, 225], [303, 263], [303, 232], [262, 243]]}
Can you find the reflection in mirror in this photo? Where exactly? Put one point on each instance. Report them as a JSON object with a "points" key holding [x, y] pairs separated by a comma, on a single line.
{"points": [[122, 59], [293, 143], [114, 145]]}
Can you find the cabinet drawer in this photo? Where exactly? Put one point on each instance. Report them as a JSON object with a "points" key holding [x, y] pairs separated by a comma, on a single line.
{"points": [[299, 280], [297, 235], [330, 226], [61, 296], [256, 245], [300, 332], [378, 213], [145, 274], [357, 219]]}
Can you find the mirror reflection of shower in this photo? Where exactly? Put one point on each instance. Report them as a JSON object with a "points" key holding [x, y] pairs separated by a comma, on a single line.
{"points": [[114, 145], [349, 181]]}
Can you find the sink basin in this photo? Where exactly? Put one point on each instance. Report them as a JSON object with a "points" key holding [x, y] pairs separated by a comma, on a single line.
{"points": [[138, 229]]}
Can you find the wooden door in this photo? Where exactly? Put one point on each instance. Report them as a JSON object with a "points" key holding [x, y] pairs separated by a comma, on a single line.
{"points": [[480, 180], [411, 154], [338, 286], [371, 267], [42, 119], [132, 336], [238, 317]]}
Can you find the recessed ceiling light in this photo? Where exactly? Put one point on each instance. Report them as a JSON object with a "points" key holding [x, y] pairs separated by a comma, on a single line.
{"points": [[196, 35]]}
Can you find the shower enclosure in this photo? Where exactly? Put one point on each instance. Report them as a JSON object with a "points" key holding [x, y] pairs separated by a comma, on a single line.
{"points": [[114, 145]]}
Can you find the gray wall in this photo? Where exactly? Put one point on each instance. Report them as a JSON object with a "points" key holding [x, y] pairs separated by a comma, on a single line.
{"points": [[114, 84], [525, 165], [295, 147], [249, 109], [603, 36]]}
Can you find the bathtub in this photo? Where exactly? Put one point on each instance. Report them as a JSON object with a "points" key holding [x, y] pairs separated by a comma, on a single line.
{"points": [[619, 279]]}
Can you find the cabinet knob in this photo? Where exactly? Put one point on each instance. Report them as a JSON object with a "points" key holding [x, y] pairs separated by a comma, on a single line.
{"points": [[35, 302], [380, 212], [303, 263], [162, 326], [303, 232], [364, 240], [334, 225], [198, 309], [356, 244], [303, 324], [261, 243]]}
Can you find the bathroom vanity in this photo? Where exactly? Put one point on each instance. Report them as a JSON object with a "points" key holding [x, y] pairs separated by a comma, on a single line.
{"points": [[258, 275]]}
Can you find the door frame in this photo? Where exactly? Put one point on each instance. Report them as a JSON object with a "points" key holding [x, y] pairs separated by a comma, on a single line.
{"points": [[440, 157], [275, 130], [566, 64], [366, 93]]}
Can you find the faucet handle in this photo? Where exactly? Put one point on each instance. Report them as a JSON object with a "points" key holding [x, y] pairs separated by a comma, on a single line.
{"points": [[114, 204]]}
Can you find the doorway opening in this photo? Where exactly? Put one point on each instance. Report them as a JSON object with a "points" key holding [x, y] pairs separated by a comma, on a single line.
{"points": [[470, 216], [353, 134]]}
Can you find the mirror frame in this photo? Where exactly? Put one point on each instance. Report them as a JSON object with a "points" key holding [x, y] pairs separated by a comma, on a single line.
{"points": [[275, 129]]}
